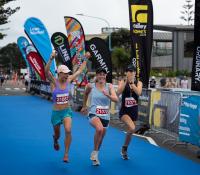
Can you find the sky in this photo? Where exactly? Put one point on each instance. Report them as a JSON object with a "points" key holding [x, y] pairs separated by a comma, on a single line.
{"points": [[52, 12]]}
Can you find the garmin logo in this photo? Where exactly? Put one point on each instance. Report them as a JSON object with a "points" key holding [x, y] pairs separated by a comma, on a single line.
{"points": [[36, 31], [190, 105], [99, 58]]}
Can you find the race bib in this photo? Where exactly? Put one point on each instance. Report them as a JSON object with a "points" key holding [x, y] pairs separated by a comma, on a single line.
{"points": [[62, 98], [102, 110], [130, 101]]}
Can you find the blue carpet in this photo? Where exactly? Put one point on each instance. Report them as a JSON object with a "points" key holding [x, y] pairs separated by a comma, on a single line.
{"points": [[26, 146]]}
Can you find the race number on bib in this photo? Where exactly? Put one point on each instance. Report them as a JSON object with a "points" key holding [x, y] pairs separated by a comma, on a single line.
{"points": [[102, 110], [130, 101], [62, 98]]}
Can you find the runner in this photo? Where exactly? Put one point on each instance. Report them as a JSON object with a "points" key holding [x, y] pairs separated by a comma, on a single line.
{"points": [[62, 112], [130, 89], [101, 93]]}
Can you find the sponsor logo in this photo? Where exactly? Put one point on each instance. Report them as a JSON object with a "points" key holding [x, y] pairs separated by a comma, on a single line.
{"points": [[64, 53], [139, 19], [35, 63], [24, 43], [30, 49], [189, 105], [197, 65], [99, 57], [59, 40], [36, 31], [136, 61]]}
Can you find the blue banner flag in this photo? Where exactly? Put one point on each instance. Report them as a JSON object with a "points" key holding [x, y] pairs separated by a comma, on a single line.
{"points": [[39, 36], [23, 44]]}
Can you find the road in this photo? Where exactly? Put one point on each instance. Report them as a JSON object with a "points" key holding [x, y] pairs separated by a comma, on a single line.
{"points": [[11, 88]]}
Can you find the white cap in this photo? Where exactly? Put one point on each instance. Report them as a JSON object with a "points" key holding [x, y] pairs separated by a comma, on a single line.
{"points": [[153, 77], [63, 69]]}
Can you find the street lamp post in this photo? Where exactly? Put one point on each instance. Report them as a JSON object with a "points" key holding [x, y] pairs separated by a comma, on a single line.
{"points": [[109, 36]]}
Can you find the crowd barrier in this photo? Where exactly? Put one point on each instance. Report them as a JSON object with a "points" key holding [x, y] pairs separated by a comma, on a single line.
{"points": [[172, 112], [40, 88]]}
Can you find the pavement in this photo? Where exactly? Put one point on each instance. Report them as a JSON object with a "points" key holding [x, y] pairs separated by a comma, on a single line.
{"points": [[189, 151], [11, 88]]}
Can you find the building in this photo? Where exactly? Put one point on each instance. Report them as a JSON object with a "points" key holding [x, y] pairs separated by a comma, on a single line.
{"points": [[173, 47]]}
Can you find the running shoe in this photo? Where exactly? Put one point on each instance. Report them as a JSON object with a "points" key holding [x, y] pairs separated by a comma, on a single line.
{"points": [[56, 144], [96, 162], [93, 155], [124, 153], [94, 158], [66, 159]]}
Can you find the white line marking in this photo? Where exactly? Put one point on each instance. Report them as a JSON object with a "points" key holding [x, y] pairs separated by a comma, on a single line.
{"points": [[150, 140], [7, 89], [17, 89]]}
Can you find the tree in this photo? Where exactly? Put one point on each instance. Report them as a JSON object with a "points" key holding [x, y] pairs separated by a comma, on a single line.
{"points": [[120, 58], [188, 12], [121, 44], [121, 38], [11, 58], [5, 13]]}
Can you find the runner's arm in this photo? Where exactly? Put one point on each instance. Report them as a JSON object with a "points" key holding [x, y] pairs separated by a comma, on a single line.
{"points": [[85, 98], [121, 86], [136, 88], [86, 94], [111, 94], [48, 74], [81, 68]]}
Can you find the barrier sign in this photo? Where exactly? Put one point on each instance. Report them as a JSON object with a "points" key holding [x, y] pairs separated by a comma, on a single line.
{"points": [[189, 126]]}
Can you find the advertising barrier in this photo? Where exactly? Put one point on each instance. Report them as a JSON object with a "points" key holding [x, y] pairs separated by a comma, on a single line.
{"points": [[189, 126]]}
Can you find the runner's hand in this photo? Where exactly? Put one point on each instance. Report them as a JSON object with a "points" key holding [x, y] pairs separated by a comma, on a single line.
{"points": [[53, 54], [106, 93], [84, 110]]}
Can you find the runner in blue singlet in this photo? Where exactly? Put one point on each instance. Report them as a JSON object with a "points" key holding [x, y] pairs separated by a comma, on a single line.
{"points": [[101, 93]]}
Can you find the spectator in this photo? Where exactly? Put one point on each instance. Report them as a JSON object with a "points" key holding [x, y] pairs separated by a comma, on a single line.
{"points": [[175, 82], [27, 81], [163, 82], [1, 79], [152, 83], [184, 83]]}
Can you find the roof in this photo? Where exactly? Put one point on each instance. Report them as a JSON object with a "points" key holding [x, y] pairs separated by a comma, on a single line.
{"points": [[162, 36], [172, 28], [90, 36]]}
